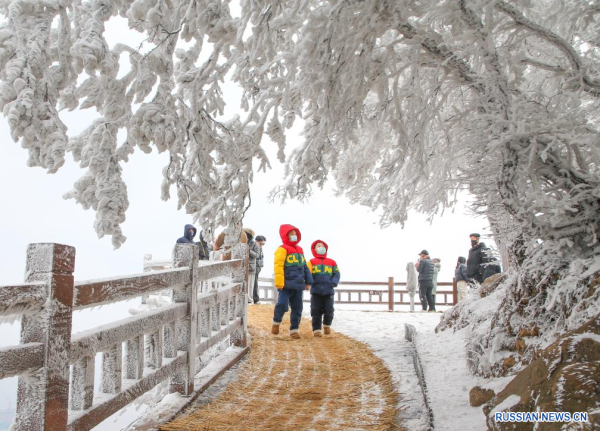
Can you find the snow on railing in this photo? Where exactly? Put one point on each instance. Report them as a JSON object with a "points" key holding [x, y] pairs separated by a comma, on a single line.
{"points": [[390, 296], [152, 346], [18, 298]]}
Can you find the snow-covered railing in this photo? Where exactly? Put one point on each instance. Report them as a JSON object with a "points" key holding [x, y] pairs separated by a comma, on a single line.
{"points": [[15, 299], [137, 352], [390, 296]]}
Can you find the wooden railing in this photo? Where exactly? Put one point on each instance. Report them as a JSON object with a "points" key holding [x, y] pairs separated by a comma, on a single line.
{"points": [[137, 352], [390, 296]]}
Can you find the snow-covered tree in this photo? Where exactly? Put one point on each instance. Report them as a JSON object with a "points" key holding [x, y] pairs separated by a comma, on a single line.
{"points": [[404, 102]]}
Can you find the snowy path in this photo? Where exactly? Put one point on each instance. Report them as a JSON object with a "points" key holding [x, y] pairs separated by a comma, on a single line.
{"points": [[443, 360], [333, 382]]}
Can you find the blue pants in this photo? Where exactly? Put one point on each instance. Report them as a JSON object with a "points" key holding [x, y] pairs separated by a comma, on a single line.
{"points": [[292, 297], [321, 310]]}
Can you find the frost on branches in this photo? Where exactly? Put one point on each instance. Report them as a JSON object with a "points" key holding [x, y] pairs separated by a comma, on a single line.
{"points": [[403, 103], [54, 56]]}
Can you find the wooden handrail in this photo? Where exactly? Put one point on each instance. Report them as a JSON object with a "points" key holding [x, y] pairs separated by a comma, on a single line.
{"points": [[382, 296], [159, 344], [15, 360], [97, 292], [367, 283], [20, 297]]}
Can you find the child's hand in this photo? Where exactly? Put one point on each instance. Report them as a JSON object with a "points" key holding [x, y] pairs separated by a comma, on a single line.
{"points": [[307, 287]]}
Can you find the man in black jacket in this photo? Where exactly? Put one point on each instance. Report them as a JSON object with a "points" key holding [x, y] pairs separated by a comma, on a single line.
{"points": [[478, 257], [425, 270]]}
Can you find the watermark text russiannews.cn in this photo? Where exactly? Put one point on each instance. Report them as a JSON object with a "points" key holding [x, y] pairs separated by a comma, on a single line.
{"points": [[541, 417]]}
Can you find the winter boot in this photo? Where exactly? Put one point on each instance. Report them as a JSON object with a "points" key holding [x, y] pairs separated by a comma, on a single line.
{"points": [[275, 328], [326, 329], [317, 333], [295, 334]]}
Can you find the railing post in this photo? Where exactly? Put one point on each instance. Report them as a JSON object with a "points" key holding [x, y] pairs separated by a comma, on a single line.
{"points": [[147, 267], [43, 398], [240, 338], [112, 373], [390, 293], [187, 255], [82, 384], [134, 358], [454, 291]]}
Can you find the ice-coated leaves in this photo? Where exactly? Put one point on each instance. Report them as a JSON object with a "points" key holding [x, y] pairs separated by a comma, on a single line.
{"points": [[403, 104]]}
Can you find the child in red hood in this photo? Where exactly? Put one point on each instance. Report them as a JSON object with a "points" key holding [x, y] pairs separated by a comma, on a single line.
{"points": [[326, 276], [292, 276]]}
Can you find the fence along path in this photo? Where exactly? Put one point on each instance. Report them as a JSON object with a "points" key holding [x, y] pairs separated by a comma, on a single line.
{"points": [[375, 295], [56, 368]]}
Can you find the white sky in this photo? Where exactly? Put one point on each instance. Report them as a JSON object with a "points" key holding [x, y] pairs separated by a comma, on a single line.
{"points": [[32, 210]]}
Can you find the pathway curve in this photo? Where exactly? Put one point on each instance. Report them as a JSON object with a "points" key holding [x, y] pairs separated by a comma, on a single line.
{"points": [[333, 382]]}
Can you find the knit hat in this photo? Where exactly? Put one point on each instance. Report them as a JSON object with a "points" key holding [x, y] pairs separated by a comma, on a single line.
{"points": [[476, 235], [424, 252]]}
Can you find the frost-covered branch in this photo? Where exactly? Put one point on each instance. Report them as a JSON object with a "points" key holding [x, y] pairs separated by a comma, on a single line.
{"points": [[590, 85]]}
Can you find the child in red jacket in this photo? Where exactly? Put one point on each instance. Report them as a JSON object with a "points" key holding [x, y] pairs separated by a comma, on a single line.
{"points": [[326, 276], [292, 277]]}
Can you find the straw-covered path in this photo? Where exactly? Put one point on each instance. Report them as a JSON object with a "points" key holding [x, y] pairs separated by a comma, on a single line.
{"points": [[333, 382]]}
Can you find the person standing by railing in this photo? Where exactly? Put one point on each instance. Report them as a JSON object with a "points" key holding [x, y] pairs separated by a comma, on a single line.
{"points": [[425, 270], [254, 251], [260, 261], [189, 232]]}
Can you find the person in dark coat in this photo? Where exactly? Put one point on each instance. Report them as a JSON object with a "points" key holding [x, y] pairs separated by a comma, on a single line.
{"points": [[253, 253], [477, 259], [189, 232], [493, 267], [260, 262], [425, 270]]}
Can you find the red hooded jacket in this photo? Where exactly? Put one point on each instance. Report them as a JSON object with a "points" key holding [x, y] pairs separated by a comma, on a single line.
{"points": [[290, 269], [325, 272]]}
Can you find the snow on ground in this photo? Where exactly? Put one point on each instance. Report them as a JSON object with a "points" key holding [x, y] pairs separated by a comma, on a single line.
{"points": [[443, 359], [449, 381]]}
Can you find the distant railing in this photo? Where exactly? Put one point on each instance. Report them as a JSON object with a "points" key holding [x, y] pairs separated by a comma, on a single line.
{"points": [[137, 352], [390, 296]]}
